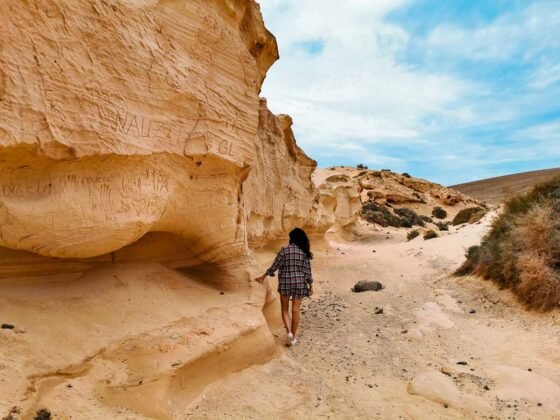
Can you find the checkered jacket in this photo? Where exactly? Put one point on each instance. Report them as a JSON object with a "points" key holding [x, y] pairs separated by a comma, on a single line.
{"points": [[294, 277]]}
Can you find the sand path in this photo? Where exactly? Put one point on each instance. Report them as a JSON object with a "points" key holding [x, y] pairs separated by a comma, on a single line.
{"points": [[166, 345], [443, 347]]}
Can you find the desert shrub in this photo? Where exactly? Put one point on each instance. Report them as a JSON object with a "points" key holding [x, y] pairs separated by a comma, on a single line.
{"points": [[409, 217], [427, 219], [442, 226], [469, 215], [522, 249], [439, 213], [430, 234], [472, 257], [406, 175], [377, 217], [412, 234], [374, 213], [385, 170], [382, 215], [361, 166]]}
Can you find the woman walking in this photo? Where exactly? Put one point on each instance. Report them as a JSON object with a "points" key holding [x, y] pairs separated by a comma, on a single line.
{"points": [[294, 279]]}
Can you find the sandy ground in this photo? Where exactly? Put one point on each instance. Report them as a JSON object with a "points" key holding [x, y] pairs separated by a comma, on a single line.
{"points": [[404, 363], [442, 348]]}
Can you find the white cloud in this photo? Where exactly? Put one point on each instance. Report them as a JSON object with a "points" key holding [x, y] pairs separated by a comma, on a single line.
{"points": [[355, 89], [545, 132], [546, 75], [524, 33], [354, 98]]}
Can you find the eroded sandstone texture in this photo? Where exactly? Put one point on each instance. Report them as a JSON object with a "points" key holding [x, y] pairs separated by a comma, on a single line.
{"points": [[279, 194], [123, 121]]}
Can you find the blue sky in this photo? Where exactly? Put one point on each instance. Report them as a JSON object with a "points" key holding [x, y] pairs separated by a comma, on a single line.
{"points": [[450, 91]]}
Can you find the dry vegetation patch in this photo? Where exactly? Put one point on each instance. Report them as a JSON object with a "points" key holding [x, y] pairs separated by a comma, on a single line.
{"points": [[522, 250], [469, 215]]}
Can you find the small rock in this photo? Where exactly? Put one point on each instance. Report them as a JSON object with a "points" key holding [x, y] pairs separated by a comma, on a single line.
{"points": [[530, 370], [404, 331], [378, 311], [69, 386], [364, 286], [462, 362], [446, 405], [13, 414], [472, 311], [445, 372], [539, 404], [486, 387], [222, 293], [374, 250], [7, 327], [43, 414]]}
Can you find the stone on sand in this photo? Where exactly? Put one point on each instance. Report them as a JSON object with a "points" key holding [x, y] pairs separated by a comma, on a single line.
{"points": [[439, 388], [365, 286]]}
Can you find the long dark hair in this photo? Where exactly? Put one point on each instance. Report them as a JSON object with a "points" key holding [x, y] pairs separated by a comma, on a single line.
{"points": [[299, 238]]}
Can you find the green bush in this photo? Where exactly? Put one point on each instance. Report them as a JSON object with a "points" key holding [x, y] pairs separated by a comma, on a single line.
{"points": [[412, 234], [406, 175], [409, 217], [427, 219], [442, 226], [374, 213], [472, 259], [383, 216], [430, 234], [469, 215], [439, 213]]}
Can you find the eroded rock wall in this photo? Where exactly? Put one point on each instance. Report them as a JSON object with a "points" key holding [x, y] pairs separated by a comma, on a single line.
{"points": [[126, 120], [278, 192]]}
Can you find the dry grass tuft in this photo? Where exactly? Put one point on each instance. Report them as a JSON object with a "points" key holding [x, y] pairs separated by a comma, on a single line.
{"points": [[539, 284]]}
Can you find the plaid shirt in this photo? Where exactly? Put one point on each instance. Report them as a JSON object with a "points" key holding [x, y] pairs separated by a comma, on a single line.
{"points": [[294, 277]]}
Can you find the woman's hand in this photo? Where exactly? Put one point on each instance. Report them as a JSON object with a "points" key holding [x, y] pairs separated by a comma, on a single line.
{"points": [[261, 278]]}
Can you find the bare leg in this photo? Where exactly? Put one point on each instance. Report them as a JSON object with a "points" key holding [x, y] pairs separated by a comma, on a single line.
{"points": [[296, 305], [285, 306]]}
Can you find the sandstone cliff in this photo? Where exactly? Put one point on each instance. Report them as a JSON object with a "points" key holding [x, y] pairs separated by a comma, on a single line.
{"points": [[278, 192], [127, 130]]}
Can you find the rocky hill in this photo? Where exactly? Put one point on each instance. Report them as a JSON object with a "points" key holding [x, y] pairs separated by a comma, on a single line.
{"points": [[499, 189], [357, 190]]}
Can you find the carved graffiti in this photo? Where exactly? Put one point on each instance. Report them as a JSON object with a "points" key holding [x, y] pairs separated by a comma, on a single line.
{"points": [[129, 124], [139, 191]]}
